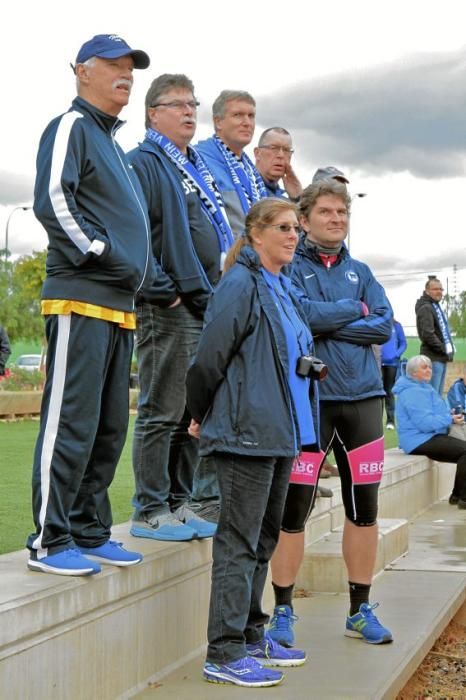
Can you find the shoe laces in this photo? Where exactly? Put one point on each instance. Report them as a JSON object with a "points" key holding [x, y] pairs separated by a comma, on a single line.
{"points": [[246, 663], [271, 646], [282, 620], [366, 610], [114, 543]]}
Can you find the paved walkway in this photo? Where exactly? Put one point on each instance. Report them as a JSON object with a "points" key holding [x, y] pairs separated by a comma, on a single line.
{"points": [[418, 594]]}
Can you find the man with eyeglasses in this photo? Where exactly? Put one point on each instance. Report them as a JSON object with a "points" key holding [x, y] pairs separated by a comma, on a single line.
{"points": [[273, 161], [190, 237], [434, 332], [234, 116]]}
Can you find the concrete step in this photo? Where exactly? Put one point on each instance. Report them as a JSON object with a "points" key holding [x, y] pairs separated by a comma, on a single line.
{"points": [[418, 597], [112, 632], [323, 568]]}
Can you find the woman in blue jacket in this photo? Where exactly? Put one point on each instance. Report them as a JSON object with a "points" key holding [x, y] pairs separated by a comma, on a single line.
{"points": [[424, 419], [251, 409]]}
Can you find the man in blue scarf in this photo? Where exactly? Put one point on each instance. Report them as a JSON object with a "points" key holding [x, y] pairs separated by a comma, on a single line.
{"points": [[234, 116], [190, 236], [433, 331]]}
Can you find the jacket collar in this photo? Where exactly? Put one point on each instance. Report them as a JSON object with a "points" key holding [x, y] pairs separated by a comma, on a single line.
{"points": [[106, 122]]}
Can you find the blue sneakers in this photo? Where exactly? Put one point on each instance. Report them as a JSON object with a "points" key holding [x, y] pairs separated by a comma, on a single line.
{"points": [[281, 625], [245, 672], [270, 653], [203, 528], [112, 552], [162, 526], [69, 562], [364, 625]]}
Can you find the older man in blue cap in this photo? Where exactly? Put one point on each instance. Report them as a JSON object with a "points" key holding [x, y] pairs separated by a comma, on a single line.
{"points": [[90, 203]]}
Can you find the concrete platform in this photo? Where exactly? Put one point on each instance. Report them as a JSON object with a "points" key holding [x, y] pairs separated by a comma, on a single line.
{"points": [[419, 596], [112, 633]]}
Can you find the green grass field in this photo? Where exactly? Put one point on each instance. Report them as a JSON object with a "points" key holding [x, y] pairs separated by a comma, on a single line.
{"points": [[17, 440], [22, 348]]}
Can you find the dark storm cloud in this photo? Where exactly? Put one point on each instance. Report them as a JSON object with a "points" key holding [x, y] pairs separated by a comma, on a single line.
{"points": [[408, 115], [15, 189]]}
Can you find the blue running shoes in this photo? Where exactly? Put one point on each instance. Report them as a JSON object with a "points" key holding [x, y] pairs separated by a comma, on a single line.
{"points": [[364, 625], [246, 672], [112, 552], [69, 562], [270, 653], [281, 625]]}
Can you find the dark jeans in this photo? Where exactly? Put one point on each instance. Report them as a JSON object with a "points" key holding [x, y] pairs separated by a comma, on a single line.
{"points": [[444, 448], [165, 457], [388, 376], [252, 497]]}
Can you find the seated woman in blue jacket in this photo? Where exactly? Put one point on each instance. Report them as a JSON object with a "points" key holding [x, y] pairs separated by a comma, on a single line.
{"points": [[251, 409], [423, 421]]}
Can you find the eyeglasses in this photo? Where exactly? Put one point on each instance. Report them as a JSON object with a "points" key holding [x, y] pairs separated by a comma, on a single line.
{"points": [[285, 228], [276, 149], [178, 104]]}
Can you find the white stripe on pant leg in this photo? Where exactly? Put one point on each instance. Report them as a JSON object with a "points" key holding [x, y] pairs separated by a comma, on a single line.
{"points": [[53, 418]]}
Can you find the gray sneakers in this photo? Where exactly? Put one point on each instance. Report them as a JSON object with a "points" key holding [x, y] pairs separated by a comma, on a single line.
{"points": [[162, 526], [202, 527]]}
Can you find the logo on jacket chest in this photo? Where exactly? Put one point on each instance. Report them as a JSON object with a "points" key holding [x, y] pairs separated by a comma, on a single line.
{"points": [[352, 276]]}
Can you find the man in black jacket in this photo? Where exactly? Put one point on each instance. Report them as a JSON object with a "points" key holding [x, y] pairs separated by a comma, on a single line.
{"points": [[434, 332], [190, 236], [91, 205]]}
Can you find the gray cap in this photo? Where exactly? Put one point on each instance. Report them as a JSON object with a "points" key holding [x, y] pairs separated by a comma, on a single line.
{"points": [[329, 172]]}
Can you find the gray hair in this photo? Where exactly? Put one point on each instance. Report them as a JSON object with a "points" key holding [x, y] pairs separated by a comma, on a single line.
{"points": [[89, 63], [218, 108], [312, 192], [276, 130], [415, 363], [162, 84]]}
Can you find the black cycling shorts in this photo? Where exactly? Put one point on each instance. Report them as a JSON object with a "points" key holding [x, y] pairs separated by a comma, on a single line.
{"points": [[354, 431]]}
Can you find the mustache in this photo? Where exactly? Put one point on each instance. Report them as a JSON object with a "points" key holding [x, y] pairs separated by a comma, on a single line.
{"points": [[122, 82]]}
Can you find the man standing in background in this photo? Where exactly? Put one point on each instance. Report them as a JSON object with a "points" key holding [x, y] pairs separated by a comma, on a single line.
{"points": [[434, 332]]}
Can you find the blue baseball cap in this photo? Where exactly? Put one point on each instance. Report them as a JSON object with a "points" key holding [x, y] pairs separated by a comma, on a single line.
{"points": [[111, 46]]}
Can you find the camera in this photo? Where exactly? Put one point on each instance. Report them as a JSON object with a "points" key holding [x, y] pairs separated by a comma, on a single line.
{"points": [[312, 367]]}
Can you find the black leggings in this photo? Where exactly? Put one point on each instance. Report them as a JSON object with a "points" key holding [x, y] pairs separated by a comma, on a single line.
{"points": [[345, 426], [444, 448]]}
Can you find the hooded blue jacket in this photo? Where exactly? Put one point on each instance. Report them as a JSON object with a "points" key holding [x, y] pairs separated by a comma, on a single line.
{"points": [[237, 384], [420, 413], [346, 350], [393, 349], [457, 394], [91, 204]]}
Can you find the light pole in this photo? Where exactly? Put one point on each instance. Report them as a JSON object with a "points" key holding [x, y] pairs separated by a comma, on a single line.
{"points": [[358, 195], [24, 208]]}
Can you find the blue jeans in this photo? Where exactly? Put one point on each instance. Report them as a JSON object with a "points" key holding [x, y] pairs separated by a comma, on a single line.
{"points": [[439, 371], [165, 456], [252, 497]]}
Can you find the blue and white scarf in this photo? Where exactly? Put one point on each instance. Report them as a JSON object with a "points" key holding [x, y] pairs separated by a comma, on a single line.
{"points": [[445, 331], [198, 174], [247, 181]]}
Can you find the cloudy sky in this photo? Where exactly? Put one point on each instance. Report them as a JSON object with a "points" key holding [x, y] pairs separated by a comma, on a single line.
{"points": [[378, 89]]}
